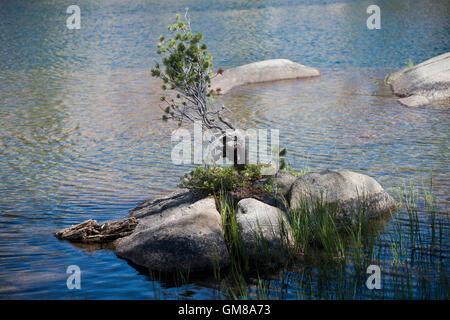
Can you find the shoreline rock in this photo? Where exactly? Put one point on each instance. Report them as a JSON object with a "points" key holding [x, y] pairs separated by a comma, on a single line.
{"points": [[349, 191], [424, 83], [264, 231], [177, 199], [180, 232], [261, 71], [185, 238]]}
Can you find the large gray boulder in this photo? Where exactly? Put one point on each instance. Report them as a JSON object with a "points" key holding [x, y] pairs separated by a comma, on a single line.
{"points": [[349, 193], [283, 182], [261, 71], [173, 201], [184, 238], [424, 83], [264, 230]]}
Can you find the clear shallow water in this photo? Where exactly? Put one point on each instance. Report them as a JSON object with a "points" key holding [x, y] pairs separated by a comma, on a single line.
{"points": [[80, 139]]}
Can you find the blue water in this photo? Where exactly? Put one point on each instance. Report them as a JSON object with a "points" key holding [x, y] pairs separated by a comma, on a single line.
{"points": [[80, 136]]}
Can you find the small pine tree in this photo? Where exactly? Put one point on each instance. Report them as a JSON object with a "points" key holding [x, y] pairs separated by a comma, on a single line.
{"points": [[187, 69]]}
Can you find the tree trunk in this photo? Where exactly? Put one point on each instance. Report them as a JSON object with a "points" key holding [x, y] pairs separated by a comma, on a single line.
{"points": [[91, 232]]}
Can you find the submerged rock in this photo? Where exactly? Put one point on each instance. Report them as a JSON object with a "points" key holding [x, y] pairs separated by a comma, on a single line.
{"points": [[182, 238], [349, 192], [264, 230], [424, 83], [261, 71]]}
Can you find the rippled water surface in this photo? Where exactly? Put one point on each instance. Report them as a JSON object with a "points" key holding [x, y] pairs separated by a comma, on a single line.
{"points": [[80, 136]]}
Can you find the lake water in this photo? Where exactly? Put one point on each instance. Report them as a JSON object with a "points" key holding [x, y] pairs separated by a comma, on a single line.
{"points": [[80, 135]]}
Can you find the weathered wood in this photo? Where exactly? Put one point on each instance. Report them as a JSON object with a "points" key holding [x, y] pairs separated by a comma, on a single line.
{"points": [[92, 232]]}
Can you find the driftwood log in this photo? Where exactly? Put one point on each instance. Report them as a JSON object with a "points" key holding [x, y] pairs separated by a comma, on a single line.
{"points": [[92, 232]]}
